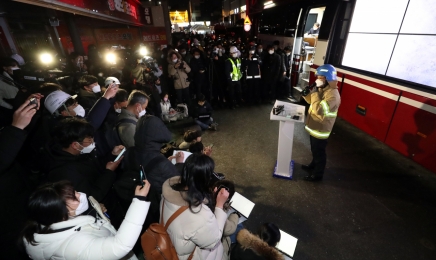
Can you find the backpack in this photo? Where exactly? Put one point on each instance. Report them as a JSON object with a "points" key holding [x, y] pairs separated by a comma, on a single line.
{"points": [[111, 132], [156, 242]]}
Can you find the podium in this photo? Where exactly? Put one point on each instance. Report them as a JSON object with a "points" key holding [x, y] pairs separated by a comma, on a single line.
{"points": [[290, 115]]}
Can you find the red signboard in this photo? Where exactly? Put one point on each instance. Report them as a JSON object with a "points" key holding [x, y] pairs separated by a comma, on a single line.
{"points": [[117, 36], [154, 35], [129, 10]]}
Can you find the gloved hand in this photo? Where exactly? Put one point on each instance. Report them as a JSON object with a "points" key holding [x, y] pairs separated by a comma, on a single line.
{"points": [[314, 90]]}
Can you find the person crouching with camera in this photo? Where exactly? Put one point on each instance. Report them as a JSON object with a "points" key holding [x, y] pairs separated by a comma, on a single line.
{"points": [[178, 70]]}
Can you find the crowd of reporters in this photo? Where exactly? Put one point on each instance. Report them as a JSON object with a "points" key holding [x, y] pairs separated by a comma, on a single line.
{"points": [[60, 142]]}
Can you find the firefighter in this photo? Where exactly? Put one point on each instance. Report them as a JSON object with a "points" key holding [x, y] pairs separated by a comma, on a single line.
{"points": [[251, 66], [232, 69], [324, 103]]}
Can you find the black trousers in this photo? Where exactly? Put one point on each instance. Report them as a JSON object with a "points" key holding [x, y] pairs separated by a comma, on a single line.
{"points": [[253, 90], [183, 96], [318, 146], [234, 92]]}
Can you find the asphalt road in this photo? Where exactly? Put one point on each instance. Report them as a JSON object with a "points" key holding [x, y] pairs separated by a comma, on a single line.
{"points": [[372, 204]]}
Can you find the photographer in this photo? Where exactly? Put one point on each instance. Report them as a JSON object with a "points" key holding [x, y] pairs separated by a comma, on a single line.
{"points": [[178, 70]]}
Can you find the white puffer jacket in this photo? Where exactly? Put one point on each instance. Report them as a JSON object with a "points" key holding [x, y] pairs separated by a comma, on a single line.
{"points": [[86, 237], [200, 231]]}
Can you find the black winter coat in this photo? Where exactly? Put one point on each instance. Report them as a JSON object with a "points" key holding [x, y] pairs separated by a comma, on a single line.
{"points": [[151, 133], [272, 67], [85, 171]]}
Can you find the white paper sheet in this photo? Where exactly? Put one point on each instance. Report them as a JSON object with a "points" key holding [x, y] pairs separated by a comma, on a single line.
{"points": [[287, 244], [184, 153]]}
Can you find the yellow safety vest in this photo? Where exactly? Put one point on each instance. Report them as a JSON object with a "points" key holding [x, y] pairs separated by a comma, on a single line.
{"points": [[236, 74]]}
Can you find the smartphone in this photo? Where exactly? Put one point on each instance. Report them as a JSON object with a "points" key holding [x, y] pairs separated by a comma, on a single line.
{"points": [[121, 154], [142, 176], [210, 146]]}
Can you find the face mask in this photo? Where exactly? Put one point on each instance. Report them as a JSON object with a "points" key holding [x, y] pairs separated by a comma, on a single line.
{"points": [[215, 50], [183, 53], [80, 111], [288, 53], [165, 99], [251, 52], [319, 83], [175, 61], [224, 51], [96, 89], [87, 149], [83, 205], [271, 52], [142, 113], [234, 55], [162, 56], [197, 56], [259, 50], [118, 110]]}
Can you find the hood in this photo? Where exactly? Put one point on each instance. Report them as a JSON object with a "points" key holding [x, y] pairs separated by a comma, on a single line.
{"points": [[173, 196], [151, 133], [250, 241], [170, 61], [48, 244]]}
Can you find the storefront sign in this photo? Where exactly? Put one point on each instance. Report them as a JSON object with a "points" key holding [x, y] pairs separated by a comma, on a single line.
{"points": [[147, 15], [128, 10], [123, 6], [117, 36], [154, 35]]}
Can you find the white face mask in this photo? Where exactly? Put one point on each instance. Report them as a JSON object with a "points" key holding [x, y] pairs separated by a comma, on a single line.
{"points": [[251, 52], [271, 52], [183, 53], [118, 110], [80, 111], [83, 205], [162, 56], [197, 56], [288, 53], [319, 83], [88, 148], [142, 113], [234, 55], [96, 89], [259, 50], [175, 60], [224, 51]]}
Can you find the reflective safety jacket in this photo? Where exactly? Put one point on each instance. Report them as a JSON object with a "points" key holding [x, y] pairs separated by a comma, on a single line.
{"points": [[235, 74], [323, 110]]}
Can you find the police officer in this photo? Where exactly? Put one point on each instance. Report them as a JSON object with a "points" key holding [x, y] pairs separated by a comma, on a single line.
{"points": [[251, 66], [232, 70], [324, 103]]}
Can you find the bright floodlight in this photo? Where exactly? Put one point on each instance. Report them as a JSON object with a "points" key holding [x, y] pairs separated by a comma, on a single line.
{"points": [[46, 58], [143, 51], [111, 58]]}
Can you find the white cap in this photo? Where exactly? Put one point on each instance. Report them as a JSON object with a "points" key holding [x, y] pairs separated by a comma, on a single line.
{"points": [[110, 80], [55, 100], [18, 59], [233, 49]]}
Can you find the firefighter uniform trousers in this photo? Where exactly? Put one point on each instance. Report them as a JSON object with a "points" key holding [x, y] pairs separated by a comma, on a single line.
{"points": [[253, 79]]}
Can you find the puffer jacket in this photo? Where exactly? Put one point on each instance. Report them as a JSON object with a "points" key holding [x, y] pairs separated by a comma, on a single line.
{"points": [[251, 247], [323, 109], [229, 229], [200, 231], [180, 76], [86, 237]]}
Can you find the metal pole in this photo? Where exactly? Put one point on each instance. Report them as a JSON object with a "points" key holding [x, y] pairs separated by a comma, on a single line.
{"points": [[167, 21]]}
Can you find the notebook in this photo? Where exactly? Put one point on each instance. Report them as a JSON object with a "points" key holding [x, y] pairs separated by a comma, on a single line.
{"points": [[287, 244], [242, 205], [185, 153]]}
